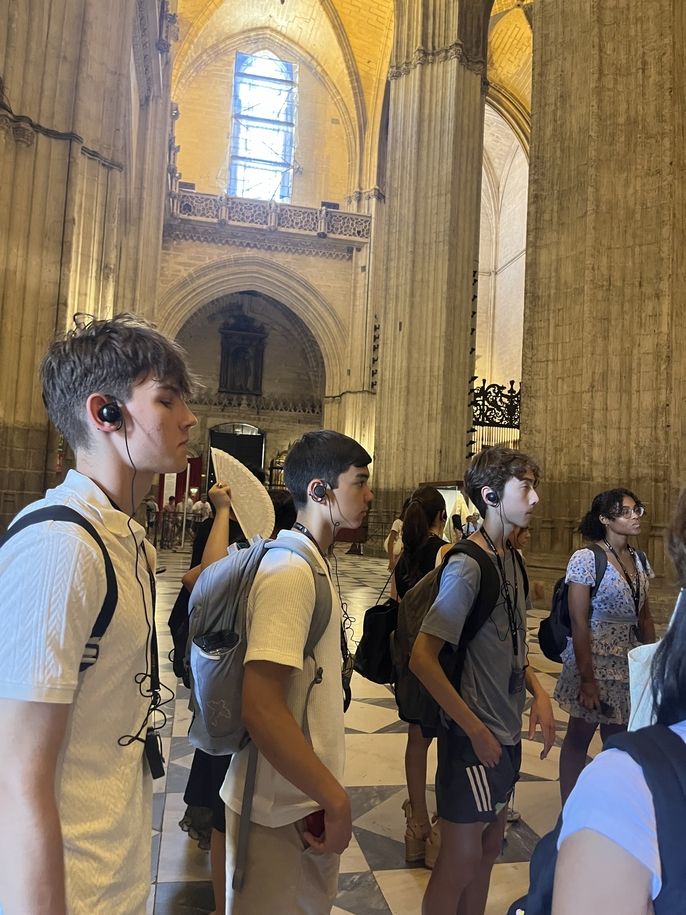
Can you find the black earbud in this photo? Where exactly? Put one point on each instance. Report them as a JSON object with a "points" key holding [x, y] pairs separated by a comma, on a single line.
{"points": [[492, 498], [111, 413], [319, 491]]}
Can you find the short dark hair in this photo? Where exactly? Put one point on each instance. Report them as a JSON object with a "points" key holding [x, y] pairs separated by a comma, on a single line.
{"points": [[108, 356], [608, 503], [284, 509], [321, 455], [493, 467]]}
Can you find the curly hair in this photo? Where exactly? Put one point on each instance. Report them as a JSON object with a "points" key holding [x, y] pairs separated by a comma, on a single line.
{"points": [[609, 504], [493, 467]]}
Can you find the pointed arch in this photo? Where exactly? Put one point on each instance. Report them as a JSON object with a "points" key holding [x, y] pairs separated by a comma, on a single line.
{"points": [[254, 272]]}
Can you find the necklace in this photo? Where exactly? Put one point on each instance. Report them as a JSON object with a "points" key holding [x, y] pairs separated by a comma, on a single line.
{"points": [[634, 584]]}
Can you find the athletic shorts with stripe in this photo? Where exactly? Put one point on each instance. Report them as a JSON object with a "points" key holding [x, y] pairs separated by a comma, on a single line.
{"points": [[466, 790]]}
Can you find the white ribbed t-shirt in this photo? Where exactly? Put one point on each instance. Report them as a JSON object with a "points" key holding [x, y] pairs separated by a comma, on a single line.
{"points": [[280, 610], [52, 585]]}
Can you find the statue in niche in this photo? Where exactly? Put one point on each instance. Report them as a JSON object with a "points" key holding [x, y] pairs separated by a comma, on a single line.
{"points": [[240, 368], [242, 355]]}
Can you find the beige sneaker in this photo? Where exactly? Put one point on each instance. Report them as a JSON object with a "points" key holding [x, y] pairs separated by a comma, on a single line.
{"points": [[433, 843], [416, 835]]}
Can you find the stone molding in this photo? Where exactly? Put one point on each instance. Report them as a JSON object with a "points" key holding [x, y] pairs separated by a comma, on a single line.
{"points": [[23, 131], [372, 193], [176, 230], [153, 32], [256, 404], [422, 57], [19, 130]]}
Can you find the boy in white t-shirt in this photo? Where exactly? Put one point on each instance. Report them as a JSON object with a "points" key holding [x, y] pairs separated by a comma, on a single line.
{"points": [[76, 812], [301, 818]]}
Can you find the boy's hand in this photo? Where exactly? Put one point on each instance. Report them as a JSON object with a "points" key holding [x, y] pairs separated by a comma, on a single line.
{"points": [[541, 714], [220, 495], [338, 831], [486, 747]]}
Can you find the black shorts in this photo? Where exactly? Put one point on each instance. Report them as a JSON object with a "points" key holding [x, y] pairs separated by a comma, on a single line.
{"points": [[466, 790]]}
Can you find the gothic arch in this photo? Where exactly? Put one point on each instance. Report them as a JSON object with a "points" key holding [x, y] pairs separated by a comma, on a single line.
{"points": [[238, 273]]}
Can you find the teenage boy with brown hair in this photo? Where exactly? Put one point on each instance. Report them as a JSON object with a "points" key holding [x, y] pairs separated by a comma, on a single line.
{"points": [[479, 740], [75, 818]]}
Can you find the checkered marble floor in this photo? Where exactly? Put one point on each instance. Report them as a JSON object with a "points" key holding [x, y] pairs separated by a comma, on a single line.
{"points": [[374, 877]]}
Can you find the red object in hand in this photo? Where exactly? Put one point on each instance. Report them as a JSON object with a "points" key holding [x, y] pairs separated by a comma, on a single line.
{"points": [[314, 823]]}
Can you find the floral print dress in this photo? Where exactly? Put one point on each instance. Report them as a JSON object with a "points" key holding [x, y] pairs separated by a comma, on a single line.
{"points": [[613, 626]]}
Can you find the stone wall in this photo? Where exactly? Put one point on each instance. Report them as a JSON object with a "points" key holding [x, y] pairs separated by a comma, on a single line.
{"points": [[82, 160], [604, 365]]}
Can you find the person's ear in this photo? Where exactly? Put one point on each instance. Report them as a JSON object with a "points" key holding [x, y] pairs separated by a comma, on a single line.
{"points": [[103, 412], [490, 497]]}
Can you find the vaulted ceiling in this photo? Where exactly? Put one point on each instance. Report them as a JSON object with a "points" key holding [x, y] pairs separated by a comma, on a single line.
{"points": [[348, 43]]}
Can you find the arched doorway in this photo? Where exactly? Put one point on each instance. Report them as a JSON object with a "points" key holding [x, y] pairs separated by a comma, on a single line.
{"points": [[260, 367]]}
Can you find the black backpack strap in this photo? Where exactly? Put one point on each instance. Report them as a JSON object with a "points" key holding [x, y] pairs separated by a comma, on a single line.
{"points": [[644, 560], [661, 754], [600, 557], [489, 588], [63, 513]]}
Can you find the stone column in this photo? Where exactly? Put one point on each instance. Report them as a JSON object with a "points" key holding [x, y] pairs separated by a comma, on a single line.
{"points": [[66, 112], [604, 356], [434, 164]]}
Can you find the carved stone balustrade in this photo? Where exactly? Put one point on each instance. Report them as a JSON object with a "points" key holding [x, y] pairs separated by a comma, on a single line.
{"points": [[254, 404], [193, 216]]}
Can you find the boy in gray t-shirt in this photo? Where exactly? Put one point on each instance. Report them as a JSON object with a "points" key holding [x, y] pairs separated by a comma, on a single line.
{"points": [[479, 747]]}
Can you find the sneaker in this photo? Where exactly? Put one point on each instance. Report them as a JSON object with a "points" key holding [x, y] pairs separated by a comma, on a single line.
{"points": [[433, 843], [416, 834]]}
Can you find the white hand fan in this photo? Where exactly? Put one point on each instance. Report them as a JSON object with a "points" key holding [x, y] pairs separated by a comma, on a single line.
{"points": [[250, 501]]}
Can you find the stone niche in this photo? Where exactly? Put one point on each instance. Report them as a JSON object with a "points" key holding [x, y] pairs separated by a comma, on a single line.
{"points": [[243, 341], [259, 364]]}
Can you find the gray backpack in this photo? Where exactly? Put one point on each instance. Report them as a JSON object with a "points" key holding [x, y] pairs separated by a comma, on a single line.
{"points": [[217, 641]]}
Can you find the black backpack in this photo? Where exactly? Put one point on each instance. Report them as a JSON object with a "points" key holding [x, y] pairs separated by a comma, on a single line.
{"points": [[661, 754], [414, 702], [556, 628]]}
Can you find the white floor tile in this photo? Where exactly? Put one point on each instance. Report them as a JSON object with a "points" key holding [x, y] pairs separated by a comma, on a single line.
{"points": [[379, 759], [352, 859], [403, 890], [369, 718], [365, 689]]}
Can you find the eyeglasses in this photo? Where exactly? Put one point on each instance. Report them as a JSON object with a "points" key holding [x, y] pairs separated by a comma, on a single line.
{"points": [[626, 512]]}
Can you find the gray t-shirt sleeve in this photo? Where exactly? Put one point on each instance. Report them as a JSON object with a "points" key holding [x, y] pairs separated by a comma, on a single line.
{"points": [[460, 584]]}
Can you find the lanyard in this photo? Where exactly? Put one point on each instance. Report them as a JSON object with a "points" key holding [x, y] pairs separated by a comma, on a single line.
{"points": [[634, 586], [510, 605], [297, 526], [154, 658]]}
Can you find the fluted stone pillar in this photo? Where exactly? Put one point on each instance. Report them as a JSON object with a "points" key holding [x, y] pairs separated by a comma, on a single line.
{"points": [[430, 253], [75, 151], [604, 364]]}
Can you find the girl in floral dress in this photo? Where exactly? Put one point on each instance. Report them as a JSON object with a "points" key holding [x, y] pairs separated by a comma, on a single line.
{"points": [[594, 684]]}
